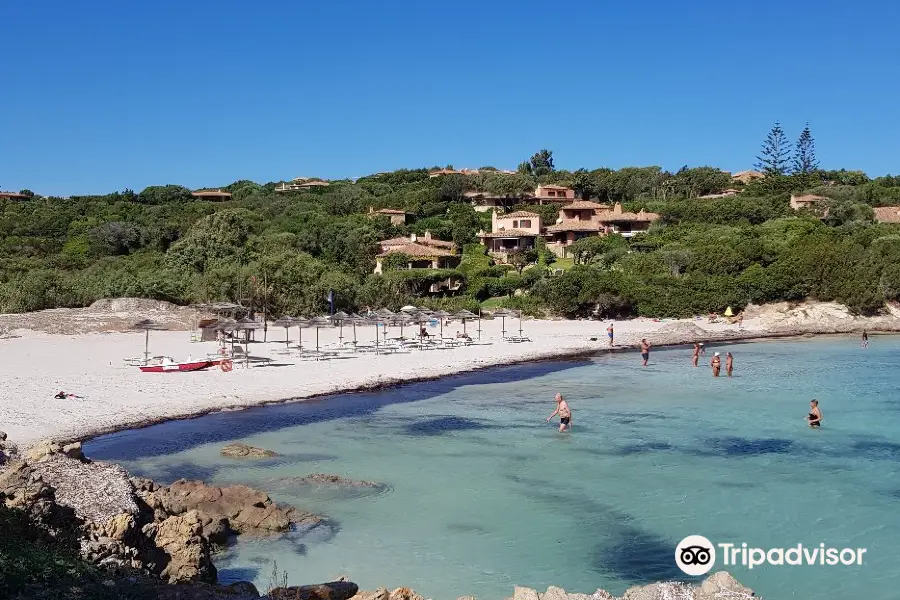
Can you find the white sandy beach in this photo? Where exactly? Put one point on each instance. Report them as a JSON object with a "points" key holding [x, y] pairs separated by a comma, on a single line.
{"points": [[35, 365]]}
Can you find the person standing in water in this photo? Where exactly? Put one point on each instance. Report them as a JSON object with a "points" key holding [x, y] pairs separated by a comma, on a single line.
{"points": [[815, 415], [695, 359], [729, 363], [865, 339], [645, 350], [716, 364], [610, 333], [564, 412]]}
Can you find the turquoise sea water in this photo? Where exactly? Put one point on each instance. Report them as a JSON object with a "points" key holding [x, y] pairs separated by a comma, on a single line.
{"points": [[482, 494]]}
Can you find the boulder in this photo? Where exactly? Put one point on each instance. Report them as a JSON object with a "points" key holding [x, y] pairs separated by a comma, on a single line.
{"points": [[405, 593], [2, 436], [119, 527], [655, 591], [335, 480], [721, 585], [554, 593], [246, 509], [379, 594], [239, 450], [187, 552], [73, 451], [42, 451], [336, 590], [524, 593], [466, 598]]}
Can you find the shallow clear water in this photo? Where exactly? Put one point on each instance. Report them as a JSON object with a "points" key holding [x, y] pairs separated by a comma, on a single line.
{"points": [[482, 494]]}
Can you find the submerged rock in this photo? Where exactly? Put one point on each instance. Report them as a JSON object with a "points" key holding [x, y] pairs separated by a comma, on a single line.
{"points": [[336, 480], [239, 450]]}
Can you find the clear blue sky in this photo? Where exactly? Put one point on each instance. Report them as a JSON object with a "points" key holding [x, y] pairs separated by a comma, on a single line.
{"points": [[104, 95]]}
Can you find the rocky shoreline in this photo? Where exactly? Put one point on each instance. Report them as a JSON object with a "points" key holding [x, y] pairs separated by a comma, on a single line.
{"points": [[161, 539]]}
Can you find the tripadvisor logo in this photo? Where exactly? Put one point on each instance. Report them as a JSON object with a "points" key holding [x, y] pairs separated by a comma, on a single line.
{"points": [[696, 555]]}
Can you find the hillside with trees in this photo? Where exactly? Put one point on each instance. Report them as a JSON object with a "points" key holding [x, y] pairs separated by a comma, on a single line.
{"points": [[288, 250]]}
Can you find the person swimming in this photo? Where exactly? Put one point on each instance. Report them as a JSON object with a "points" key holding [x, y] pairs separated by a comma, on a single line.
{"points": [[564, 412], [716, 364], [815, 415]]}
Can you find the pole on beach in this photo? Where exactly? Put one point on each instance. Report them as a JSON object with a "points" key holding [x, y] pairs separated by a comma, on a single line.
{"points": [[147, 346], [479, 324], [520, 323]]}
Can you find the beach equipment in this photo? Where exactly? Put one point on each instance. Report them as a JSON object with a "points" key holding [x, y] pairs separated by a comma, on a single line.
{"points": [[246, 325], [287, 323], [168, 365], [318, 323], [728, 312], [440, 315], [465, 315], [503, 313], [339, 317], [146, 326]]}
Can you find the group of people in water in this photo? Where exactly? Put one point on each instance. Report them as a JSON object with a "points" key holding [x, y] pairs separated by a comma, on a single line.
{"points": [[814, 418]]}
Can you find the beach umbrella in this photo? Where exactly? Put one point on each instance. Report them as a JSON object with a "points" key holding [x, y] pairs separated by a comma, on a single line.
{"points": [[520, 323], [409, 309], [146, 326], [355, 320], [503, 314], [402, 319], [463, 316], [318, 323], [246, 325], [339, 317], [287, 323], [300, 322]]}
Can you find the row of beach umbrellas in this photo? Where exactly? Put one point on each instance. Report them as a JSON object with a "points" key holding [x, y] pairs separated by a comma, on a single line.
{"points": [[408, 315]]}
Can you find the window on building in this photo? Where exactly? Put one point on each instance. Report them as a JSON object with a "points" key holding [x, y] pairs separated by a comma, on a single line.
{"points": [[515, 224], [524, 224], [551, 194]]}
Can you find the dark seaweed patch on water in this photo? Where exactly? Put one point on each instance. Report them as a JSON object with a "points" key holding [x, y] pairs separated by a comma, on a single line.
{"points": [[627, 552], [627, 449], [467, 528], [442, 425], [738, 446], [167, 473], [877, 450]]}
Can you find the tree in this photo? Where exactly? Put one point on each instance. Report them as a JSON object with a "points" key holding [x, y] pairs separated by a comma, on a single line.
{"points": [[522, 258], [775, 154], [541, 163], [805, 161]]}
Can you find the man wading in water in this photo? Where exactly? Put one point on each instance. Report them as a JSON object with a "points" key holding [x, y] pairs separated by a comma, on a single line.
{"points": [[645, 351], [564, 412]]}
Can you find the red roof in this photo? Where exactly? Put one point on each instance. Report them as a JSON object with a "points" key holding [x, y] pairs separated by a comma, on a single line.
{"points": [[508, 233], [519, 214], [210, 194], [417, 250], [13, 195], [585, 205]]}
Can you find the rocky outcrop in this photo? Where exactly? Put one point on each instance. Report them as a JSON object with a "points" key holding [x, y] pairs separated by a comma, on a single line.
{"points": [[336, 590], [335, 480], [8, 450], [187, 552], [247, 510], [239, 450], [719, 586]]}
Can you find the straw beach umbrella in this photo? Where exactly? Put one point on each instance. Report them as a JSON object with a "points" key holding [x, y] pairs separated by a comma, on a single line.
{"points": [[246, 325], [339, 317], [287, 323], [146, 326], [440, 315], [318, 323], [465, 315]]}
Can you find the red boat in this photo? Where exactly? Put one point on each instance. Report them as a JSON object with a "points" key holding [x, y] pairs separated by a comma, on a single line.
{"points": [[167, 365]]}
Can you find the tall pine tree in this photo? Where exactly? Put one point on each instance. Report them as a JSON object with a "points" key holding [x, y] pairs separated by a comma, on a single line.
{"points": [[775, 155], [805, 161]]}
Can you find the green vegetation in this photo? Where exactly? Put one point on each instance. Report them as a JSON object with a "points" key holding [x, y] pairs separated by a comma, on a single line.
{"points": [[286, 251]]}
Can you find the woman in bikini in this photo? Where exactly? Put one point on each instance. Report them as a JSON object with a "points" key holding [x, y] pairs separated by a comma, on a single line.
{"points": [[815, 415], [716, 364], [564, 412]]}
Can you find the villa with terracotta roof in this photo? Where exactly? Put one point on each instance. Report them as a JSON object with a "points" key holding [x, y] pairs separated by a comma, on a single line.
{"points": [[425, 251], [806, 201], [887, 214], [14, 196], [300, 184], [553, 193], [211, 195], [512, 232], [397, 217], [583, 218]]}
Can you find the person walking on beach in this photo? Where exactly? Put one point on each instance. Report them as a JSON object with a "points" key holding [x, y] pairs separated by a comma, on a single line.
{"points": [[865, 339], [716, 364], [610, 333], [645, 350], [695, 359], [729, 363], [564, 412], [815, 415]]}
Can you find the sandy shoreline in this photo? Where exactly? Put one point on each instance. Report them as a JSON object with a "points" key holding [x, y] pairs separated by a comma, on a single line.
{"points": [[36, 365]]}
